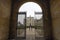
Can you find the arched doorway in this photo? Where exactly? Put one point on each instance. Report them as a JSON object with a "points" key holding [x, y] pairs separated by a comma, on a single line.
{"points": [[46, 16], [30, 14]]}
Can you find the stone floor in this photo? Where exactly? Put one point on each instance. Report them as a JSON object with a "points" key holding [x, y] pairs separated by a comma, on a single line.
{"points": [[31, 34]]}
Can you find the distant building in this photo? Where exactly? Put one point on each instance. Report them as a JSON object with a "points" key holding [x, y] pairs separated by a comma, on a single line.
{"points": [[30, 21], [38, 19], [39, 22]]}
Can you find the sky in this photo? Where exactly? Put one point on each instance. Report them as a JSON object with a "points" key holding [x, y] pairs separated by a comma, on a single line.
{"points": [[30, 8], [21, 18]]}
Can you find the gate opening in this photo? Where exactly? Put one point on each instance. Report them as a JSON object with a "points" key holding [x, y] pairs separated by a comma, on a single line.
{"points": [[30, 22]]}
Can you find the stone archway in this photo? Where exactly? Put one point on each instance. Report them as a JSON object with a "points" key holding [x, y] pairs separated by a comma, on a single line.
{"points": [[46, 15]]}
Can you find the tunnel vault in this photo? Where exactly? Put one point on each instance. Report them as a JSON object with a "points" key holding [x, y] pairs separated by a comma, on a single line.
{"points": [[45, 5]]}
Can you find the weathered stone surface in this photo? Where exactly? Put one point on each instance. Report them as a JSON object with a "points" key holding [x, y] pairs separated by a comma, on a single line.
{"points": [[5, 6], [55, 12]]}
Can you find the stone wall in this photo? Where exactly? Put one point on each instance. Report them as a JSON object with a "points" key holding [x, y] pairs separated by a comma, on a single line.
{"points": [[5, 6], [55, 12]]}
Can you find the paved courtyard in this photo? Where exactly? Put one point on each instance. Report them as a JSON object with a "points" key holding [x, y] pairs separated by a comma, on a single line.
{"points": [[32, 34]]}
